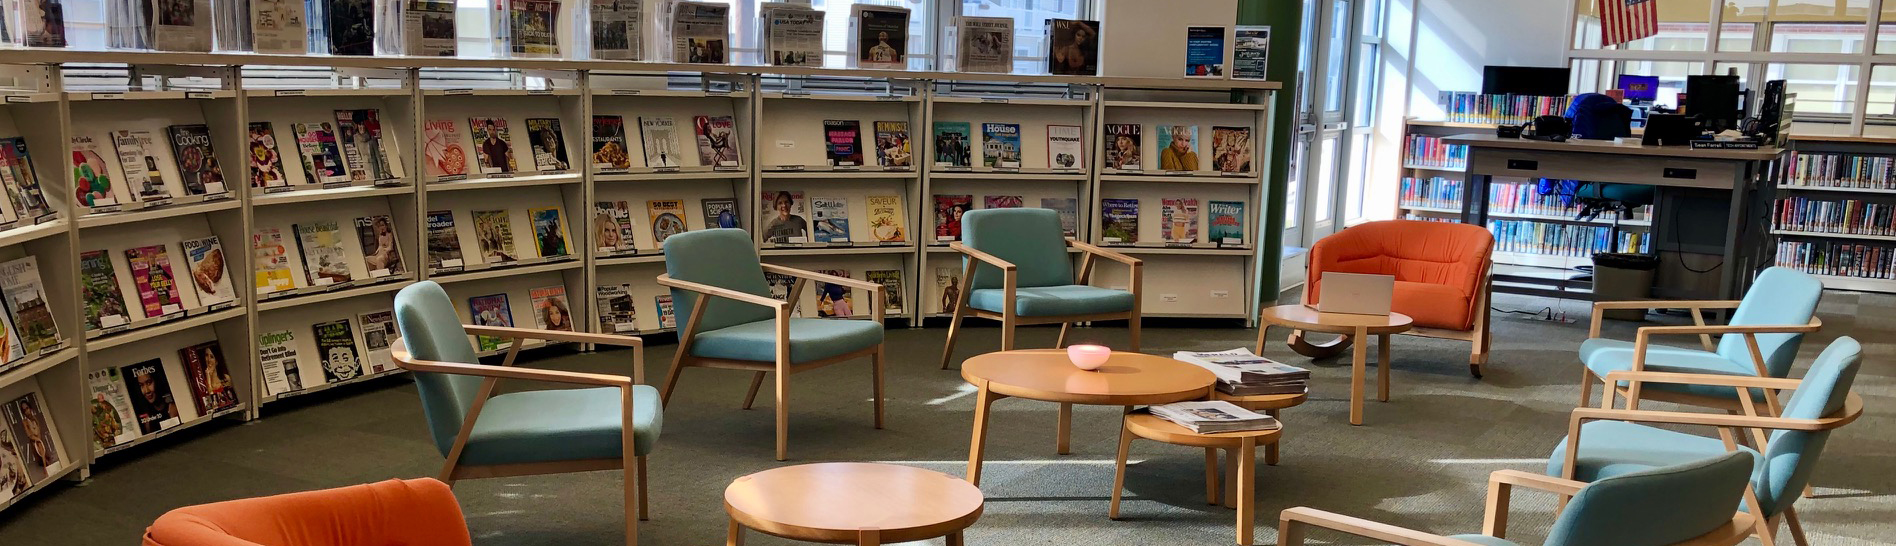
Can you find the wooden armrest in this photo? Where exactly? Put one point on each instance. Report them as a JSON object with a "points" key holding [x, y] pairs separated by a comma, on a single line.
{"points": [[1815, 324], [1501, 484], [832, 279], [983, 257], [406, 362], [1291, 522], [1715, 380], [1096, 250], [555, 335], [1665, 304], [1536, 482], [709, 290], [1852, 407]]}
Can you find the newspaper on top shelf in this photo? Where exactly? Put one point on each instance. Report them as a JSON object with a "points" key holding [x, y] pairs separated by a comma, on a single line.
{"points": [[1214, 417], [1243, 373]]}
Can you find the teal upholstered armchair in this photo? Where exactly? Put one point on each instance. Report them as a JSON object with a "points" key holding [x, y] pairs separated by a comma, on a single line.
{"points": [[612, 424], [1700, 500], [1602, 443], [1017, 271], [717, 281], [1761, 340]]}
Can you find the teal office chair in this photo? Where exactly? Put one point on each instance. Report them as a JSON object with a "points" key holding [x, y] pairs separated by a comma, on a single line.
{"points": [[1610, 442], [1761, 340], [484, 435], [1692, 503], [1017, 271], [739, 326]]}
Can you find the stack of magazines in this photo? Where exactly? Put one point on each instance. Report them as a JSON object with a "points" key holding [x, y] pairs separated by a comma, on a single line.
{"points": [[1214, 417], [1242, 373]]}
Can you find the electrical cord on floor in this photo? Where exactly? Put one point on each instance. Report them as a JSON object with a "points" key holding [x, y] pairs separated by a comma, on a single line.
{"points": [[1545, 312]]}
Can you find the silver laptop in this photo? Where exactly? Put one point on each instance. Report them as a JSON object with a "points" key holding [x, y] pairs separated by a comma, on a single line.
{"points": [[1356, 293]]}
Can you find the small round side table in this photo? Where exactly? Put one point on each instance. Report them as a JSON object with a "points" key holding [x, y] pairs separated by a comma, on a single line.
{"points": [[1359, 328], [1242, 444], [852, 503]]}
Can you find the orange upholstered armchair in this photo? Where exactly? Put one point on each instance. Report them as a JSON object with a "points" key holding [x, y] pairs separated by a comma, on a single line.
{"points": [[1442, 278], [420, 512]]}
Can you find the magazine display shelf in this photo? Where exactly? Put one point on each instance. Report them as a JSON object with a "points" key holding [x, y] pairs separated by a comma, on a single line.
{"points": [[1877, 247], [778, 123]]}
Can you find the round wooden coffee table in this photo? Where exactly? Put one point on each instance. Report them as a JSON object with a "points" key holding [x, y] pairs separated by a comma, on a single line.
{"points": [[1127, 379], [1359, 327], [1242, 444], [852, 503], [1270, 404]]}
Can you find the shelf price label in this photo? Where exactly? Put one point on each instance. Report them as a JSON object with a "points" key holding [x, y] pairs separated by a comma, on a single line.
{"points": [[457, 92], [994, 100], [290, 92], [623, 92], [108, 96], [197, 94], [889, 98]]}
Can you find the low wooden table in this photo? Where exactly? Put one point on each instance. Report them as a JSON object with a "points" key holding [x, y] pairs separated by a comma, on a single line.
{"points": [[1127, 379], [1270, 404], [1242, 444], [852, 503], [1359, 327]]}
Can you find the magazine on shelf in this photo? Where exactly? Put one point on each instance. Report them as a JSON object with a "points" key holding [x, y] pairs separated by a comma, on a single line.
{"points": [[151, 275], [660, 138], [834, 300], [324, 262], [616, 312], [667, 315], [493, 148], [9, 197], [34, 435], [1068, 209], [548, 143], [381, 255], [842, 142], [721, 213], [152, 402], [1072, 47], [948, 285], [1064, 148], [210, 271], [948, 211], [780, 285], [91, 174], [11, 351], [493, 230], [131, 159], [179, 25], [1119, 221], [1251, 53], [24, 188], [43, 22], [98, 286], [446, 157], [892, 144], [1178, 148], [444, 241], [700, 32], [612, 228], [266, 163], [668, 219], [112, 420], [878, 37], [952, 144], [550, 311], [1205, 52], [717, 141], [322, 159], [1214, 417], [336, 349], [197, 159], [549, 232], [792, 34], [984, 44], [26, 303], [277, 352], [206, 372], [609, 151], [378, 336], [1000, 145], [349, 26], [428, 28], [1226, 225], [368, 155], [1231, 149], [785, 218], [891, 281], [887, 223], [617, 33], [271, 257], [1179, 218], [533, 28], [1123, 147], [830, 216]]}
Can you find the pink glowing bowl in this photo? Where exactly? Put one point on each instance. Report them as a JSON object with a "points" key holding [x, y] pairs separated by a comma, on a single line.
{"points": [[1089, 357]]}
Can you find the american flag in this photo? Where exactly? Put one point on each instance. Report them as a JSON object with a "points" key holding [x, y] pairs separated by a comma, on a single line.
{"points": [[1623, 21]]}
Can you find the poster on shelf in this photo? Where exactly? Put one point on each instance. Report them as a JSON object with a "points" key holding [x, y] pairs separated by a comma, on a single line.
{"points": [[1231, 149], [26, 303], [324, 262], [1064, 147], [151, 274], [617, 314], [493, 229], [668, 219], [831, 219], [785, 221], [1205, 52], [197, 159], [550, 310], [548, 143], [1251, 53]]}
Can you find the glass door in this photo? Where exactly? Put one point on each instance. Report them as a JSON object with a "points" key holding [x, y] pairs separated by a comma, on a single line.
{"points": [[1326, 136]]}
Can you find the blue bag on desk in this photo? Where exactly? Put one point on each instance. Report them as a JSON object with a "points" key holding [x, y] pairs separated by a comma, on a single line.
{"points": [[1599, 117]]}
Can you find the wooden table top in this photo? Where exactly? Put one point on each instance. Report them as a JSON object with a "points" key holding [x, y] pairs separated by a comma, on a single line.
{"points": [[1260, 402], [836, 501], [1150, 426], [1303, 317], [1127, 379]]}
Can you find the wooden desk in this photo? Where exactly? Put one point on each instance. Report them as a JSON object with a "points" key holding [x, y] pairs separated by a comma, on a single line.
{"points": [[1747, 175]]}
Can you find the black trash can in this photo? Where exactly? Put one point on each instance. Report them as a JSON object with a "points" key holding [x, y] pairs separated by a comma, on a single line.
{"points": [[1619, 276]]}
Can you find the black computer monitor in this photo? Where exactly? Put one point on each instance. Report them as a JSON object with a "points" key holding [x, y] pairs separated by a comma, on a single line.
{"points": [[1715, 100], [1639, 88], [1524, 80]]}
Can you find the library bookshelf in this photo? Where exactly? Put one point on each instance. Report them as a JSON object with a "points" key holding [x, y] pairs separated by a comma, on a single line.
{"points": [[509, 260], [1831, 213]]}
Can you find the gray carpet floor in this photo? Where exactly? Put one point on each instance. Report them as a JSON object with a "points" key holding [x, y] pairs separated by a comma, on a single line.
{"points": [[1421, 460]]}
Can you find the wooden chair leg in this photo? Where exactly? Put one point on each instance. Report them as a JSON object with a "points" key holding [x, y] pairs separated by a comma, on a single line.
{"points": [[645, 504], [1060, 342], [757, 382], [1382, 368], [447, 472], [1007, 335], [671, 380], [631, 503], [1211, 476], [1797, 527], [1586, 387], [783, 413], [1132, 328], [954, 327], [1119, 467], [876, 363]]}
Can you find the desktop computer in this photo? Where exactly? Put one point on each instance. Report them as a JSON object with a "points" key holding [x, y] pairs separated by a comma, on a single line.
{"points": [[1715, 101]]}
